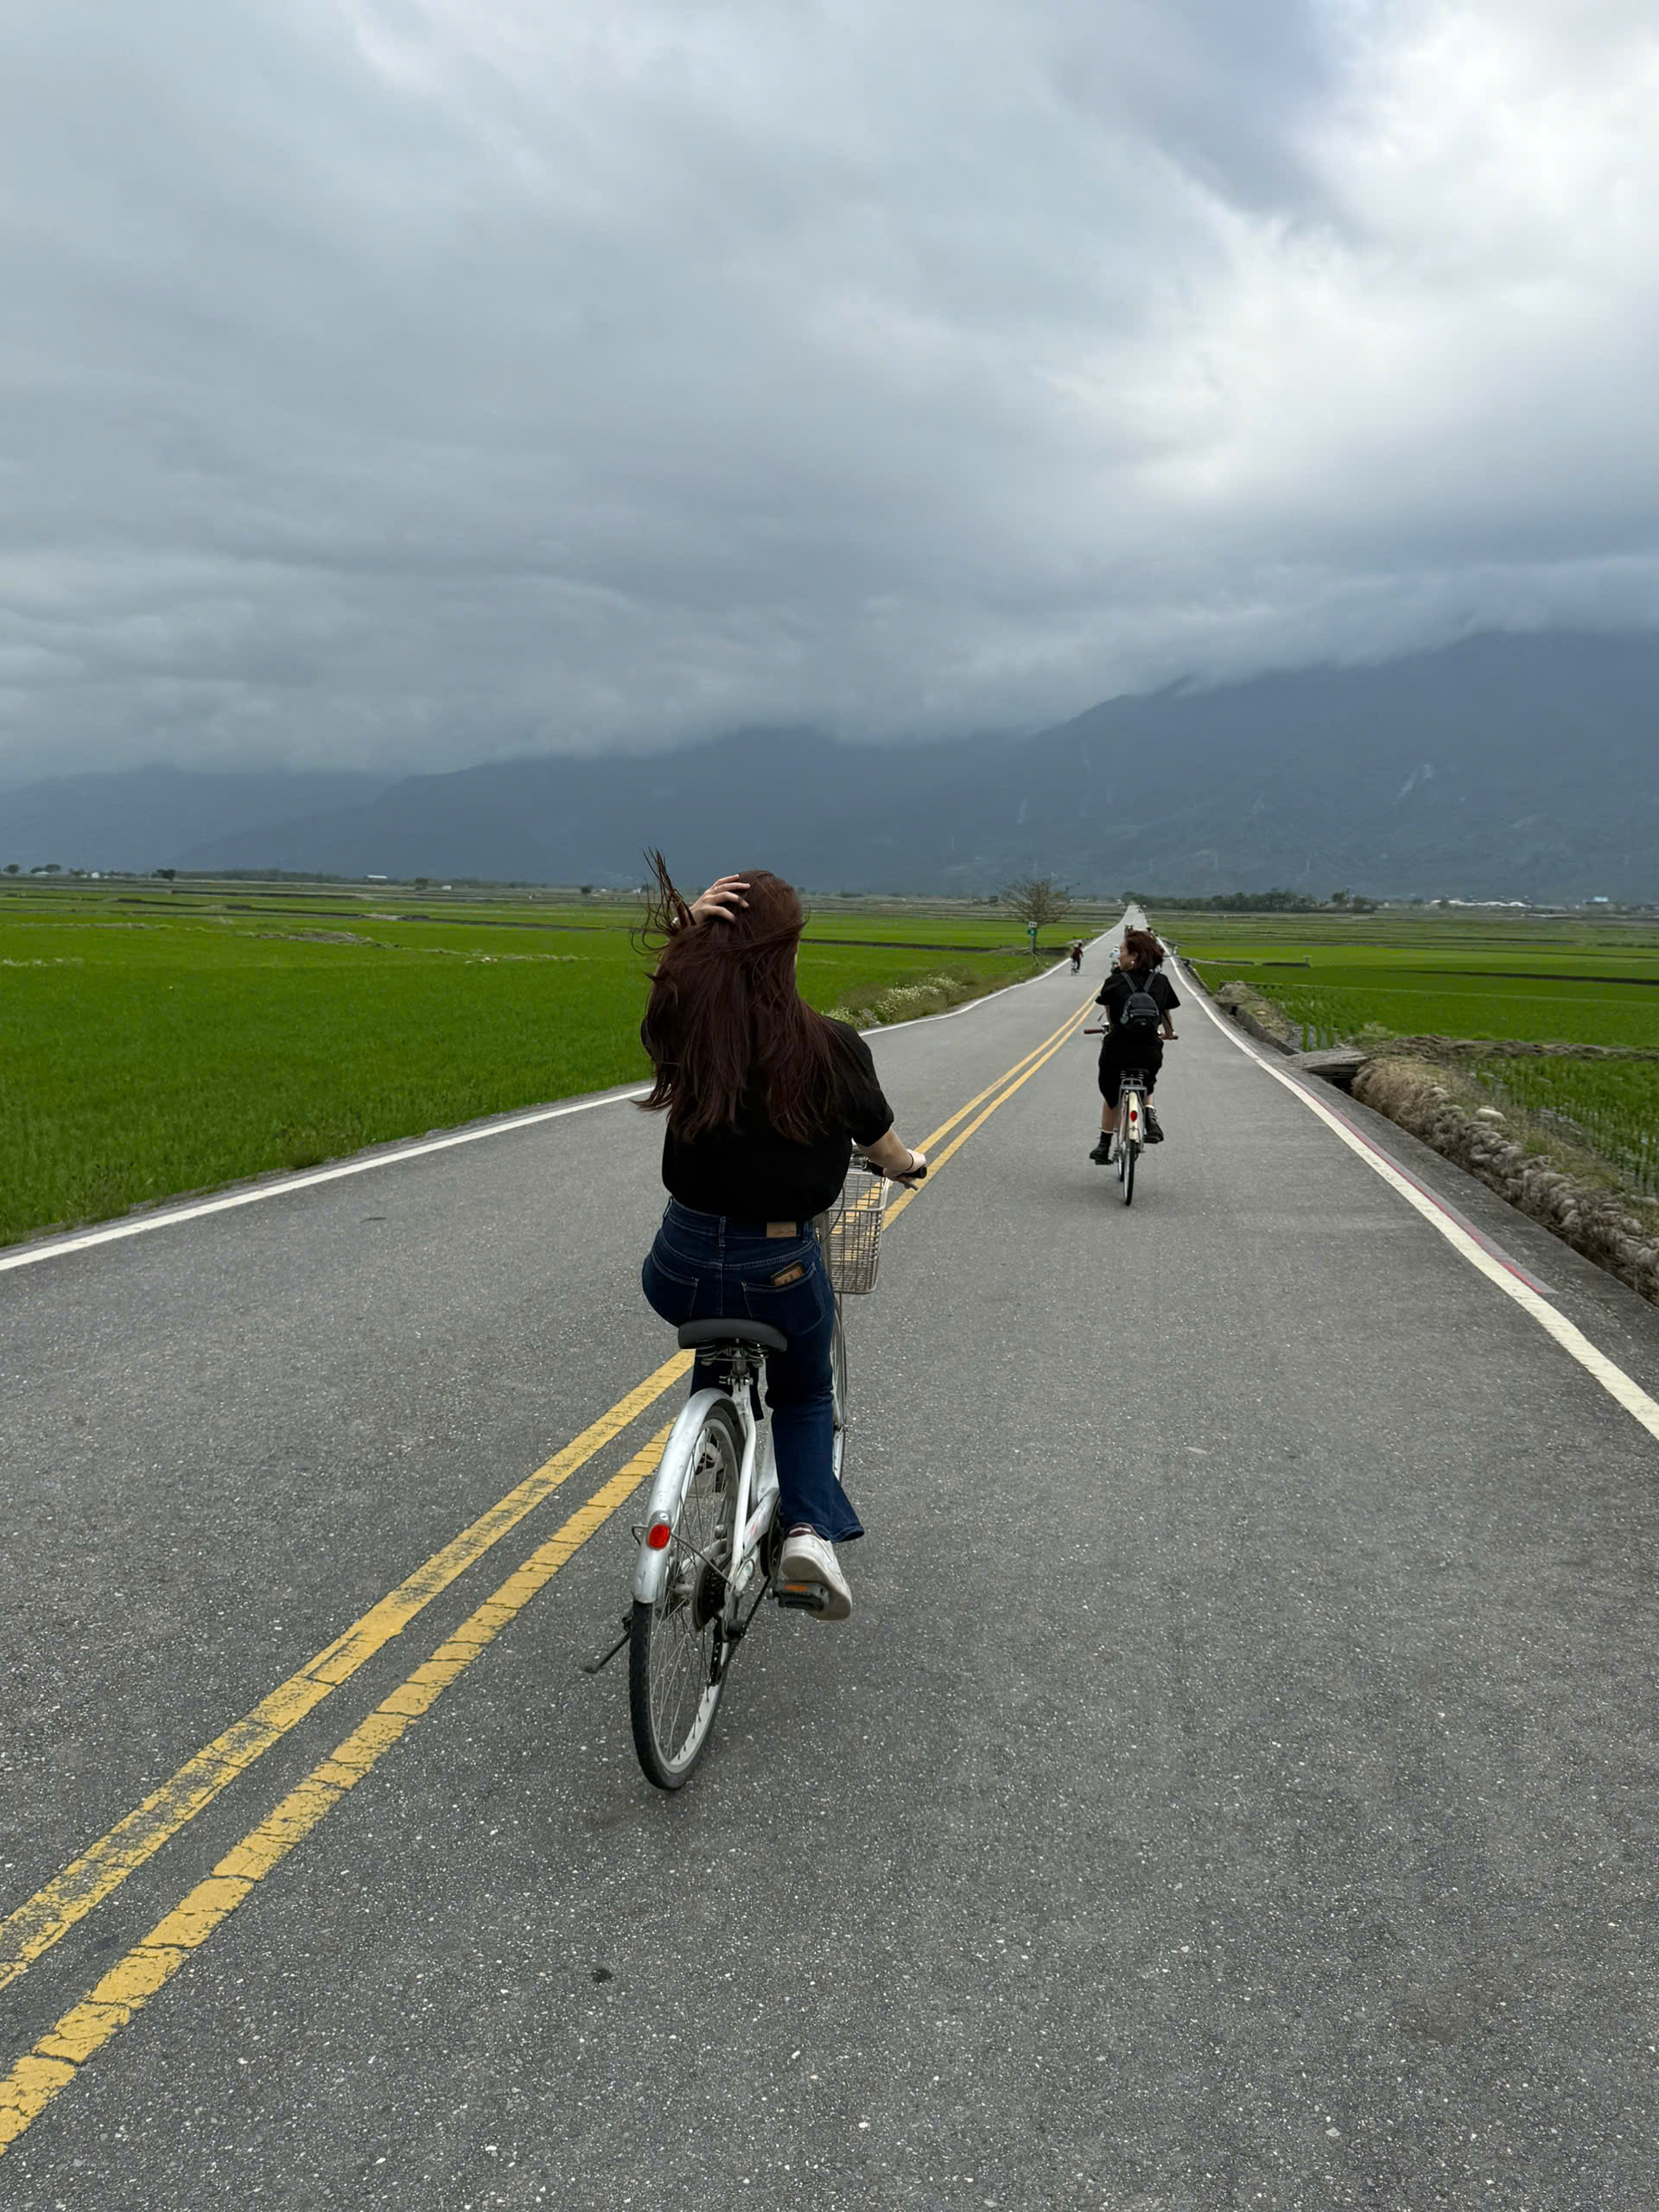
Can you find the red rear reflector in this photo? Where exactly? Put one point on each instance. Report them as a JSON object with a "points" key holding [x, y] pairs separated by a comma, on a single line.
{"points": [[657, 1536]]}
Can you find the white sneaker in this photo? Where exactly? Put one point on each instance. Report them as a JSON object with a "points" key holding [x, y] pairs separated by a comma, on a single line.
{"points": [[807, 1557]]}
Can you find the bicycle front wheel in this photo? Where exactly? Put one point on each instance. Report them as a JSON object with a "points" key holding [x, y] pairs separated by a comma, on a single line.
{"points": [[676, 1646]]}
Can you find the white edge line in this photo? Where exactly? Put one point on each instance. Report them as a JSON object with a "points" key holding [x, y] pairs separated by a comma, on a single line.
{"points": [[170, 1217], [1612, 1378], [307, 1181]]}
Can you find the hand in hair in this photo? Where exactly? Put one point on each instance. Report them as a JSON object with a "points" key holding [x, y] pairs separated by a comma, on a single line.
{"points": [[718, 901]]}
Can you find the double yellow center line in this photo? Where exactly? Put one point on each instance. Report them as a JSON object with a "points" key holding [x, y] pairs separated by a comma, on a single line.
{"points": [[35, 1926]]}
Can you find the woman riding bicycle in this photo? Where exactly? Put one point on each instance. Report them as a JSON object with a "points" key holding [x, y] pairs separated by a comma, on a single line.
{"points": [[765, 1099], [1126, 1047]]}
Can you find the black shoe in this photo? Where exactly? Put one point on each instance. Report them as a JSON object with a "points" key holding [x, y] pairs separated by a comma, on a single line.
{"points": [[1154, 1128], [1102, 1154]]}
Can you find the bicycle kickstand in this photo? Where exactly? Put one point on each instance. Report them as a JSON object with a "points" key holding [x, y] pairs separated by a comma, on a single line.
{"points": [[593, 1666]]}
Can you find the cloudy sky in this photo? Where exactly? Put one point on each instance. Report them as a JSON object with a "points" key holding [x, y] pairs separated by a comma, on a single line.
{"points": [[403, 383]]}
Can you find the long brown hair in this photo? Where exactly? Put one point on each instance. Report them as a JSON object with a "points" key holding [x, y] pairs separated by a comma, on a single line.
{"points": [[725, 1021]]}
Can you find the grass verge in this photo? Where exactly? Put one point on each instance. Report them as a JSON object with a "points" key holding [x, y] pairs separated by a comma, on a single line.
{"points": [[877, 1004]]}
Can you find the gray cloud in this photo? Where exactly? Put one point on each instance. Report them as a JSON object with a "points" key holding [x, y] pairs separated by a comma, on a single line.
{"points": [[400, 385]]}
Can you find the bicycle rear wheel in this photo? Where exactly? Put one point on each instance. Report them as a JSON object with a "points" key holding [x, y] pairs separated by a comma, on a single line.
{"points": [[1127, 1141], [676, 1646]]}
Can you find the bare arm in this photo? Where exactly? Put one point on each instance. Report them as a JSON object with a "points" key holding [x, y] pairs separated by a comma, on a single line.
{"points": [[894, 1158]]}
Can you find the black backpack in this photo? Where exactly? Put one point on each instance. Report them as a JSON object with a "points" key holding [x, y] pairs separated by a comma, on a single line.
{"points": [[1140, 1010]]}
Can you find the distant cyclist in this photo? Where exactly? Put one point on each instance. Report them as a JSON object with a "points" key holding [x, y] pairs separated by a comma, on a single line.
{"points": [[1076, 956], [765, 1099], [1133, 1040]]}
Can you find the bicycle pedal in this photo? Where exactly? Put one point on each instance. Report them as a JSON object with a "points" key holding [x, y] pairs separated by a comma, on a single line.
{"points": [[804, 1597]]}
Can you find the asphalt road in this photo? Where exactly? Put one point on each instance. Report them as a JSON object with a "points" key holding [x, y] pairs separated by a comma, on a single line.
{"points": [[1233, 1789]]}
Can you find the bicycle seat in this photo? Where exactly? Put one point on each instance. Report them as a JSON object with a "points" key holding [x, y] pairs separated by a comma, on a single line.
{"points": [[695, 1335]]}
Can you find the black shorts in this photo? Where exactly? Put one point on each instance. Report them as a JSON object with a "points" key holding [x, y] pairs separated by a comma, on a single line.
{"points": [[1121, 1049]]}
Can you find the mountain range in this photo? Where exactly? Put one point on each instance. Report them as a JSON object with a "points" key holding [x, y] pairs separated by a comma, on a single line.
{"points": [[1507, 765]]}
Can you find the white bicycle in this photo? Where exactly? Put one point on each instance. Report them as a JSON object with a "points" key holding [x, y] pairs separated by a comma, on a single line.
{"points": [[1129, 1130], [709, 1545]]}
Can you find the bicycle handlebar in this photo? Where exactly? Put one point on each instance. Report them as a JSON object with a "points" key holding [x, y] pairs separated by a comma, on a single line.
{"points": [[1100, 1030], [920, 1176]]}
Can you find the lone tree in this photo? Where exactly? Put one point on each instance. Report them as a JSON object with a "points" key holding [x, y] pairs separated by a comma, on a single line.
{"points": [[1038, 900]]}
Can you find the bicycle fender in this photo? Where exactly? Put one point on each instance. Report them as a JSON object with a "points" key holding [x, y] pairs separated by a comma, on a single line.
{"points": [[648, 1567]]}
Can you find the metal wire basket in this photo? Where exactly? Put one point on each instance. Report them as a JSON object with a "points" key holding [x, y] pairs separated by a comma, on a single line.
{"points": [[851, 1232]]}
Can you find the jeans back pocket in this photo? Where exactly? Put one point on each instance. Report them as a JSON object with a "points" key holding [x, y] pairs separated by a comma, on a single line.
{"points": [[668, 1292]]}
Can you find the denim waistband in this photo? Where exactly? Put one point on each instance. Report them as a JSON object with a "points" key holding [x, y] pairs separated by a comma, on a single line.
{"points": [[721, 1225]]}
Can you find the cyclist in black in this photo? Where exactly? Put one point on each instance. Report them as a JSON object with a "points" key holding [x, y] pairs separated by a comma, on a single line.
{"points": [[1077, 953], [1132, 1044]]}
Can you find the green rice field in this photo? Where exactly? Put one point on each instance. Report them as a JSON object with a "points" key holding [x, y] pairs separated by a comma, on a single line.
{"points": [[153, 1041], [1609, 1107], [1541, 980], [1591, 1013]]}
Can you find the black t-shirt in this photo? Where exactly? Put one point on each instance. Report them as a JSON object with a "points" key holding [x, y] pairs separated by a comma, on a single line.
{"points": [[750, 1171], [1114, 991]]}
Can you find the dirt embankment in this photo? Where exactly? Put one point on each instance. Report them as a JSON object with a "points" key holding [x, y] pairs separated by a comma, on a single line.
{"points": [[1459, 1051], [1259, 1015], [1599, 1222], [883, 1003]]}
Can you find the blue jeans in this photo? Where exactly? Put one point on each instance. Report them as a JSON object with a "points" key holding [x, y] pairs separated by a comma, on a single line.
{"points": [[706, 1266]]}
